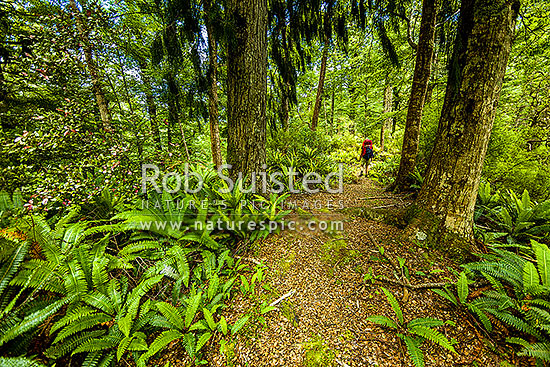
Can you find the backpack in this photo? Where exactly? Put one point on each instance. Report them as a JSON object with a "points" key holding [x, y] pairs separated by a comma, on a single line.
{"points": [[367, 151]]}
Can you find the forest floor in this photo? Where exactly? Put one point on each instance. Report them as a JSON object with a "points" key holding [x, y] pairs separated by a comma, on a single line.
{"points": [[323, 322]]}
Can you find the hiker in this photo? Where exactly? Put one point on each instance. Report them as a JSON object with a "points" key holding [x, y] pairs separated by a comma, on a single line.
{"points": [[367, 153]]}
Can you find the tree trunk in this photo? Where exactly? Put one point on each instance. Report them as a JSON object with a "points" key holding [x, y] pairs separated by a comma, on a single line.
{"points": [[285, 104], [102, 103], [151, 105], [322, 72], [332, 110], [386, 124], [173, 105], [417, 98], [215, 143], [444, 208], [247, 85]]}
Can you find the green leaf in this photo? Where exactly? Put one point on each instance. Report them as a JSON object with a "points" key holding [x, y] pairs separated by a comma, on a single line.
{"points": [[542, 254], [223, 325], [382, 320], [172, 314], [462, 287], [531, 279], [239, 324], [204, 338], [416, 354], [192, 308], [213, 286], [209, 319], [433, 336], [165, 338], [394, 304]]}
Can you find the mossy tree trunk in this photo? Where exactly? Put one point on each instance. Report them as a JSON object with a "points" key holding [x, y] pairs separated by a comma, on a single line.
{"points": [[247, 85], [422, 70], [444, 208], [215, 142], [320, 86]]}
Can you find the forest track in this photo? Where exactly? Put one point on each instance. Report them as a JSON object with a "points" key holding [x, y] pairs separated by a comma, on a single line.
{"points": [[324, 322]]}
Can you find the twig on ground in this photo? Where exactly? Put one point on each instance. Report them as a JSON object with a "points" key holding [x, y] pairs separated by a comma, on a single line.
{"points": [[284, 296], [384, 206], [377, 197]]}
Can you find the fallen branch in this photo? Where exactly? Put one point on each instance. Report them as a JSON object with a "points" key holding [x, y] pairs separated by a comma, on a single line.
{"points": [[384, 206], [377, 197], [284, 296], [413, 286]]}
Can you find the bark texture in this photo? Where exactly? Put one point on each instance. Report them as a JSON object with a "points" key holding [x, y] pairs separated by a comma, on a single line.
{"points": [[247, 85], [444, 208], [421, 77], [97, 88], [319, 96], [215, 143]]}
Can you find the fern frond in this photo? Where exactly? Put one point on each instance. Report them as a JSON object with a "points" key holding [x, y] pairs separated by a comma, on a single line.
{"points": [[172, 314], [382, 320], [394, 304], [12, 264], [433, 336], [85, 322], [415, 353], [165, 338]]}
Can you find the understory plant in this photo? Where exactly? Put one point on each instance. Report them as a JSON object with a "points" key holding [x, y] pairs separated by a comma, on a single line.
{"points": [[414, 332]]}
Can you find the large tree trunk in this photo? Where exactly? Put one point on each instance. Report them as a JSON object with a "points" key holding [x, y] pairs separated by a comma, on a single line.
{"points": [[444, 208], [102, 103], [319, 96], [151, 105], [215, 142], [388, 103], [422, 70], [247, 85]]}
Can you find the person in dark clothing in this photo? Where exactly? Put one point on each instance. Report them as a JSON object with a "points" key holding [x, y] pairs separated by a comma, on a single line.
{"points": [[367, 153]]}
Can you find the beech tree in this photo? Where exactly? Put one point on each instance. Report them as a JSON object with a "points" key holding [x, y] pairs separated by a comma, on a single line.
{"points": [[422, 71], [444, 209], [246, 85]]}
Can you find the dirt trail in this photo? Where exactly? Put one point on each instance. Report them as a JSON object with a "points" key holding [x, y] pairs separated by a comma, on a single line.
{"points": [[324, 322]]}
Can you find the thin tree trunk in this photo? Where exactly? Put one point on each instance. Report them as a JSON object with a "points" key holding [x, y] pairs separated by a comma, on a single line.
{"points": [[151, 105], [332, 110], [386, 124], [422, 70], [285, 104], [444, 209], [102, 103], [215, 143], [322, 72], [173, 105], [247, 85]]}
